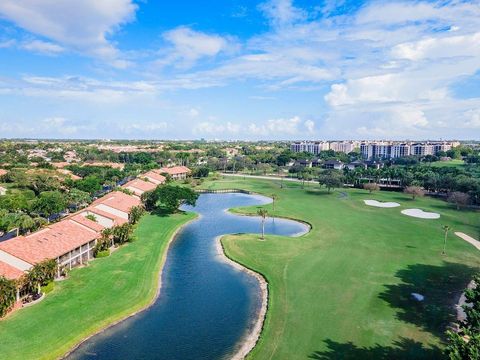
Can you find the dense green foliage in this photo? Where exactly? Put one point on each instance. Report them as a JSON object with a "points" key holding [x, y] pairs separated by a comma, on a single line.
{"points": [[169, 198], [8, 292], [464, 344]]}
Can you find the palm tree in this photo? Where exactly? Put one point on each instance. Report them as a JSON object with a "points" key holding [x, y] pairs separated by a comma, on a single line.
{"points": [[25, 223], [446, 229], [274, 198], [263, 214]]}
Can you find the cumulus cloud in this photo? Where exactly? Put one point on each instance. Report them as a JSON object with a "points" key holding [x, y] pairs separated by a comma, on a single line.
{"points": [[282, 126], [188, 46], [81, 25]]}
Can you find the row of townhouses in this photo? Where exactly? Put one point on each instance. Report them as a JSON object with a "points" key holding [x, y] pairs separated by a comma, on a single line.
{"points": [[375, 149], [71, 241]]}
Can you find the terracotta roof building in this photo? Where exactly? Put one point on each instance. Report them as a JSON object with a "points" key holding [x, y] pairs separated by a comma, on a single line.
{"points": [[67, 241], [138, 186], [176, 172], [10, 272], [117, 203], [154, 177]]}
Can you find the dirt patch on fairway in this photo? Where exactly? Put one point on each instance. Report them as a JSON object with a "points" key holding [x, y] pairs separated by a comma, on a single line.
{"points": [[380, 204], [249, 342], [418, 213]]}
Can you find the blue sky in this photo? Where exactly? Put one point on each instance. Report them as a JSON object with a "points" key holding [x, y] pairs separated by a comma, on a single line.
{"points": [[231, 69]]}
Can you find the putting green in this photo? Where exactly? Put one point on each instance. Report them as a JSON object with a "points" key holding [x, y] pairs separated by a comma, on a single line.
{"points": [[345, 289]]}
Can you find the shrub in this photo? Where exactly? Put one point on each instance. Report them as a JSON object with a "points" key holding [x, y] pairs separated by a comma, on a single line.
{"points": [[102, 254], [48, 288], [458, 198], [8, 292], [414, 191], [371, 187]]}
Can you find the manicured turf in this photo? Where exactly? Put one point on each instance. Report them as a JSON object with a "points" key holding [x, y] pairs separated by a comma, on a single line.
{"points": [[93, 297], [451, 163], [344, 290]]}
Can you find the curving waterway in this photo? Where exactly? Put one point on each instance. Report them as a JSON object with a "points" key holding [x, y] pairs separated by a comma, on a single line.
{"points": [[206, 306]]}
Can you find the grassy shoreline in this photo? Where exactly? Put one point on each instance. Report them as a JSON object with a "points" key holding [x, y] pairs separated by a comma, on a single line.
{"points": [[344, 289], [53, 327]]}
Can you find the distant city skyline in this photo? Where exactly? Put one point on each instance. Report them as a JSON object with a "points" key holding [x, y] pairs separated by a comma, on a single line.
{"points": [[266, 70]]}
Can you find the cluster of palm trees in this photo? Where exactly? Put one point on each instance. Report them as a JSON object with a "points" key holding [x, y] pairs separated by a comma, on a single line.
{"points": [[22, 222]]}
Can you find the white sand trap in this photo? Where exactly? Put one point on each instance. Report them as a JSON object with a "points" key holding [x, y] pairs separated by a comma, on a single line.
{"points": [[381, 204], [421, 214], [418, 297]]}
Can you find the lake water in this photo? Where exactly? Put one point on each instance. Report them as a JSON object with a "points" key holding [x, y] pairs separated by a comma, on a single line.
{"points": [[205, 307]]}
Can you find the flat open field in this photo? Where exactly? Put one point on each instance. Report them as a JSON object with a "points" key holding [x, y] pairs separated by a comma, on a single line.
{"points": [[344, 290], [451, 163], [105, 291]]}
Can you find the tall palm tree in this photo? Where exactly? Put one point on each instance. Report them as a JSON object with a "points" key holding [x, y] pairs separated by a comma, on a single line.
{"points": [[263, 213], [446, 229], [274, 198]]}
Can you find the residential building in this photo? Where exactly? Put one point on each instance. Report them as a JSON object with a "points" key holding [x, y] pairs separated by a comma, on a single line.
{"points": [[344, 146], [176, 172], [392, 150], [68, 242], [333, 164], [116, 203], [154, 177], [314, 147], [138, 186], [3, 191]]}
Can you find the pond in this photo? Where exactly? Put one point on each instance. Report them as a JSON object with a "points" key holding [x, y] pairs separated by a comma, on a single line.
{"points": [[206, 307]]}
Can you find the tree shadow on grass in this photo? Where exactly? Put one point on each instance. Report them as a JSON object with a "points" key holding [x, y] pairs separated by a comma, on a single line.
{"points": [[441, 287], [402, 349], [317, 191], [162, 212]]}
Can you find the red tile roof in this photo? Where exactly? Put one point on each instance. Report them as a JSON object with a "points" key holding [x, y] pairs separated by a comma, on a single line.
{"points": [[3, 172], [117, 220], [141, 185], [50, 242], [9, 272], [175, 170], [155, 175], [82, 220], [119, 200]]}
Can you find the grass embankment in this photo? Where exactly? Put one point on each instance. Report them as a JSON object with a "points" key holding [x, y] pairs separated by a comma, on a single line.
{"points": [[93, 297], [344, 290]]}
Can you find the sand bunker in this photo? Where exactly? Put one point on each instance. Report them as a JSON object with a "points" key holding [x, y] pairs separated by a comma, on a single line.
{"points": [[421, 214], [381, 204]]}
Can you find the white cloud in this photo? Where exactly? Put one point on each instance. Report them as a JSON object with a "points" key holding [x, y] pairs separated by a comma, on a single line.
{"points": [[81, 25], [193, 112], [282, 12], [281, 127], [310, 126], [188, 46], [439, 48], [211, 128], [43, 47], [149, 128]]}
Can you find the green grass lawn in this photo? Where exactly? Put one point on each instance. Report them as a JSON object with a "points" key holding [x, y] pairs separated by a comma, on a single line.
{"points": [[344, 290], [93, 297], [451, 163]]}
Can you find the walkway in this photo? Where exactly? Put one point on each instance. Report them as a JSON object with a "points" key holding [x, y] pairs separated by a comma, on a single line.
{"points": [[469, 239]]}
